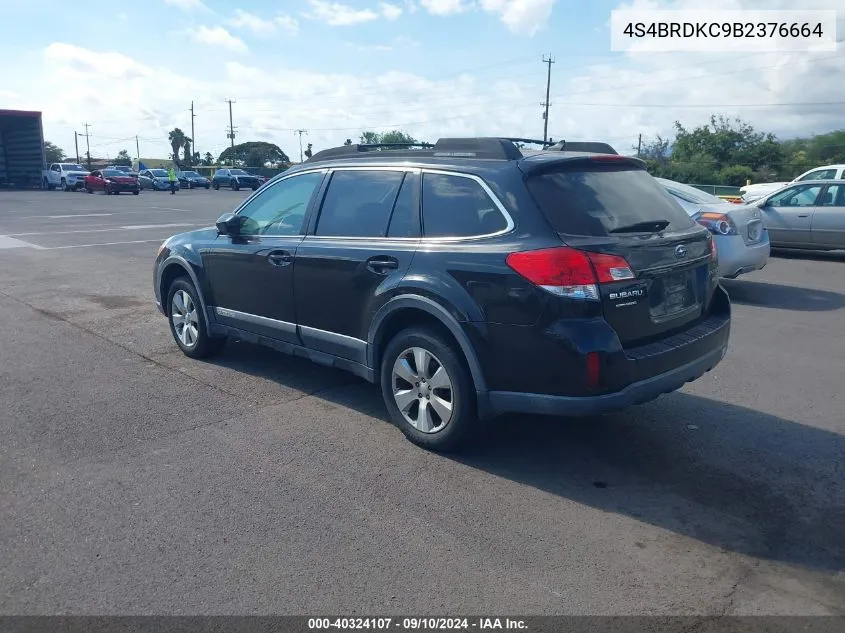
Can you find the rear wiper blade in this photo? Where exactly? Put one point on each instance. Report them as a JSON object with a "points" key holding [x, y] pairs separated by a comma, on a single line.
{"points": [[651, 226]]}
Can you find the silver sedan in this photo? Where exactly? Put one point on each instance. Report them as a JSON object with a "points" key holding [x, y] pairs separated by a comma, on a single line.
{"points": [[742, 241]]}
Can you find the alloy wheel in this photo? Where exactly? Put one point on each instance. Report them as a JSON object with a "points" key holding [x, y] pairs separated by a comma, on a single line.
{"points": [[183, 314], [422, 389]]}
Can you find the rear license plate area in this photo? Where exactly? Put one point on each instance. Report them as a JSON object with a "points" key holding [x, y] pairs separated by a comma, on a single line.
{"points": [[672, 295]]}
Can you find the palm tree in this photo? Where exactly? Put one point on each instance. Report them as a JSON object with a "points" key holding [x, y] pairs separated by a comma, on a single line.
{"points": [[177, 141], [186, 151]]}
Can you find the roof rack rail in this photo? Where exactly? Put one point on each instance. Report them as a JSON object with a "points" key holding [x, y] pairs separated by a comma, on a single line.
{"points": [[479, 147], [582, 146], [533, 141]]}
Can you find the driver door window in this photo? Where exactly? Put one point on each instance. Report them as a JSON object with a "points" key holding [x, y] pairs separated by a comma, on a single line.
{"points": [[280, 209]]}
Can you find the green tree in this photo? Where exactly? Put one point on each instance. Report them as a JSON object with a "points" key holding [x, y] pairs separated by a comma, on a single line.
{"points": [[396, 137], [254, 154], [208, 159], [177, 139], [348, 141], [186, 151], [53, 153], [122, 158]]}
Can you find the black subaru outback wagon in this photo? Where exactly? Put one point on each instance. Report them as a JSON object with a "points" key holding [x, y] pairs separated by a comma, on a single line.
{"points": [[467, 279]]}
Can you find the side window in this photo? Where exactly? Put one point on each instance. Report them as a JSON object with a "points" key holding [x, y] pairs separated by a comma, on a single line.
{"points": [[359, 203], [280, 209], [796, 197], [820, 174], [406, 210], [456, 206], [834, 196], [56, 168]]}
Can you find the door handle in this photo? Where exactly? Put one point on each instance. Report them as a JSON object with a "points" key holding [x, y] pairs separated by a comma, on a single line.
{"points": [[804, 216], [280, 258], [381, 265]]}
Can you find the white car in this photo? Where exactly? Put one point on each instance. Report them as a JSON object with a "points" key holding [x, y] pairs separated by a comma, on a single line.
{"points": [[68, 176], [750, 193], [742, 242]]}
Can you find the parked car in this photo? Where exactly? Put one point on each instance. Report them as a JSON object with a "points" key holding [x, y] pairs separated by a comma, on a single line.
{"points": [[111, 181], [755, 192], [466, 280], [68, 176], [234, 178], [126, 169], [807, 215], [155, 179], [742, 241], [191, 179]]}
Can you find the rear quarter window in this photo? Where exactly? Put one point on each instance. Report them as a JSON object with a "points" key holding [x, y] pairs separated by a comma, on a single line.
{"points": [[595, 201]]}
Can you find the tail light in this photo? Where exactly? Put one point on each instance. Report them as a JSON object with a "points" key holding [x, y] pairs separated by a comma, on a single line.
{"points": [[717, 223], [714, 255], [568, 272]]}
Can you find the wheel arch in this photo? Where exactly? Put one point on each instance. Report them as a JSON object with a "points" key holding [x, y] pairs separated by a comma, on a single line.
{"points": [[171, 269], [408, 310]]}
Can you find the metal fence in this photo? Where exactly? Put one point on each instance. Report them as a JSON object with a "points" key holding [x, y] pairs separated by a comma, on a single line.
{"points": [[718, 190]]}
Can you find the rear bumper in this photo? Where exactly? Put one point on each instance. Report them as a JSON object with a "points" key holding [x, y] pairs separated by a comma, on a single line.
{"points": [[737, 258], [546, 371], [635, 393]]}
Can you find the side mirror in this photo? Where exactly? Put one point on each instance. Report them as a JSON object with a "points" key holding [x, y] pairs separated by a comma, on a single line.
{"points": [[229, 224]]}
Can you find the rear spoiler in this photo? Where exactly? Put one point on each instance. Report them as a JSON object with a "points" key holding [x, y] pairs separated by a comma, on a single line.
{"points": [[532, 167]]}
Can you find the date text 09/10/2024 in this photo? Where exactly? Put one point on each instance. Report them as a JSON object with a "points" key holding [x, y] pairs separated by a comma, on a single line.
{"points": [[429, 624]]}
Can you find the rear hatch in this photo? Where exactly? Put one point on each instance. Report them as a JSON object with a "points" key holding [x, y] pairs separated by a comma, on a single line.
{"points": [[653, 264]]}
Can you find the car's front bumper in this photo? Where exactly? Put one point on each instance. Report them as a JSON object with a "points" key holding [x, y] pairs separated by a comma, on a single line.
{"points": [[738, 258]]}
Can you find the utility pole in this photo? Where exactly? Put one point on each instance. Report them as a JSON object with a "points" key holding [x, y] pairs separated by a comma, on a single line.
{"points": [[87, 145], [231, 133], [546, 103], [76, 145], [193, 139], [137, 149], [300, 132], [639, 144]]}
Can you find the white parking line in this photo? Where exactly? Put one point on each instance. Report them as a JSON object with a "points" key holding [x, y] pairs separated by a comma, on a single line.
{"points": [[135, 227], [10, 242], [56, 248], [73, 215]]}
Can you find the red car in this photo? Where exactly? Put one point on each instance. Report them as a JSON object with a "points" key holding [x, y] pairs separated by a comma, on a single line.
{"points": [[111, 181]]}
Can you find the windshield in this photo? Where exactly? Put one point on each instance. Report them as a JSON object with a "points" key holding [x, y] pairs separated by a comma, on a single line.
{"points": [[190, 174], [597, 200], [111, 173], [689, 193], [159, 173], [74, 168], [238, 172]]}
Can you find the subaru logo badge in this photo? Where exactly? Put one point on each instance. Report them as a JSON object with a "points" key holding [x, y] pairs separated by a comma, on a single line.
{"points": [[680, 251]]}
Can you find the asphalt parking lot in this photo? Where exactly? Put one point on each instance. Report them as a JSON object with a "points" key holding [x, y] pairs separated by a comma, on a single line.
{"points": [[134, 480]]}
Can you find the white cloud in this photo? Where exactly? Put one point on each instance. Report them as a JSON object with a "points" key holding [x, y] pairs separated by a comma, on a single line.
{"points": [[258, 25], [444, 7], [337, 14], [186, 5], [525, 17], [287, 23], [218, 36], [390, 11]]}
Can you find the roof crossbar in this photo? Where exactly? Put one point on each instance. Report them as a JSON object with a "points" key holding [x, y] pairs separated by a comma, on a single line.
{"points": [[479, 147], [582, 146]]}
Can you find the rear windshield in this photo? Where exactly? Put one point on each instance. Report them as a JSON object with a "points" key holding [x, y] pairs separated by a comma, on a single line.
{"points": [[594, 201]]}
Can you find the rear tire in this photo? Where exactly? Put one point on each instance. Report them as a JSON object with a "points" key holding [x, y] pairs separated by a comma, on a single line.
{"points": [[136, 192], [207, 187], [187, 325], [89, 190], [437, 399]]}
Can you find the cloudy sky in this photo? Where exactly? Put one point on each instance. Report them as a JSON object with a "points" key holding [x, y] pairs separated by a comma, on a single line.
{"points": [[430, 67]]}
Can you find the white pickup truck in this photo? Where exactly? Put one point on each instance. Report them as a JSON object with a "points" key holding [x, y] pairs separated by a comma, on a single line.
{"points": [[68, 176]]}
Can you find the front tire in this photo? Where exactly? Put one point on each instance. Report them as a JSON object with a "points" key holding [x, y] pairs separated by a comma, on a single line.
{"points": [[136, 192], [216, 186], [89, 190], [64, 185], [427, 390], [187, 324], [235, 186]]}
